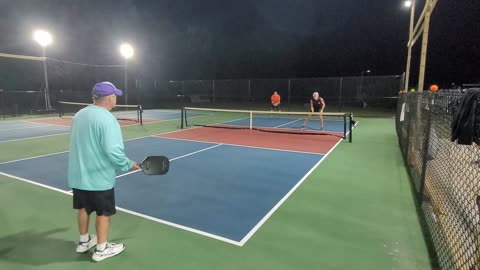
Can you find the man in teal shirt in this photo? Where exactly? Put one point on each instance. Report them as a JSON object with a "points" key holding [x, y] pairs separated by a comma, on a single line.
{"points": [[96, 155]]}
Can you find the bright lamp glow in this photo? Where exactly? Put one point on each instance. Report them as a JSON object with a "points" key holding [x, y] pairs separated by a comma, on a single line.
{"points": [[126, 50], [408, 4], [42, 37]]}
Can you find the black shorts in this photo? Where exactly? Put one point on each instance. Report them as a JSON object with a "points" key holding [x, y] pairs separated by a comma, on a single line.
{"points": [[102, 202], [316, 109]]}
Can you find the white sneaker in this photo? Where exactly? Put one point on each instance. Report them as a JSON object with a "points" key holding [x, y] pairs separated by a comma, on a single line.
{"points": [[110, 250], [86, 246]]}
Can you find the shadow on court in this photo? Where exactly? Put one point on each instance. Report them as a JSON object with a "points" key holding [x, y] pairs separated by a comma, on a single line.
{"points": [[39, 248]]}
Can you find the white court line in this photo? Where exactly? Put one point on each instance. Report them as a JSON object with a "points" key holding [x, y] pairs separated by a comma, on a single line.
{"points": [[189, 154], [34, 183], [56, 153], [161, 113], [10, 129], [182, 227], [166, 120], [52, 154], [8, 122], [256, 127], [34, 127], [241, 243], [36, 137], [238, 145], [230, 121], [56, 134], [270, 213], [55, 125], [288, 123]]}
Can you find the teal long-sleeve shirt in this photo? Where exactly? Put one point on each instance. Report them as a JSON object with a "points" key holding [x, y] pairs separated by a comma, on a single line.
{"points": [[96, 150]]}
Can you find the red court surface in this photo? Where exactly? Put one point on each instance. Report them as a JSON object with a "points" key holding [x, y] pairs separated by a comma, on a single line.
{"points": [[318, 144]]}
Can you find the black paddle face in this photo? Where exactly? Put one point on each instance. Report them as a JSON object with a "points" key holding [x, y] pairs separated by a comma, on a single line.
{"points": [[155, 165]]}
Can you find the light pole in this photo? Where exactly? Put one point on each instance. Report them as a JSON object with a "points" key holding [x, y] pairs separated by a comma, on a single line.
{"points": [[127, 52], [43, 38], [361, 84], [421, 29], [411, 5], [363, 72]]}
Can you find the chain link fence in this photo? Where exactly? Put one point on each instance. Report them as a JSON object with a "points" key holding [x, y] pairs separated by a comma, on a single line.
{"points": [[445, 175], [338, 92], [365, 93]]}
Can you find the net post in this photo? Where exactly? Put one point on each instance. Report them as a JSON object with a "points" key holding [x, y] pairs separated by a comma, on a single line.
{"points": [[251, 119], [344, 126], [185, 116], [59, 103], [350, 127], [2, 104], [60, 109], [182, 109], [140, 114]]}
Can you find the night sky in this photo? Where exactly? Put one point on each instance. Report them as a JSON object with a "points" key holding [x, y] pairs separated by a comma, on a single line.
{"points": [[214, 39]]}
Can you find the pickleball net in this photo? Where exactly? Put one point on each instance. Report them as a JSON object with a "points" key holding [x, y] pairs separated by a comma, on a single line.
{"points": [[302, 123], [131, 113]]}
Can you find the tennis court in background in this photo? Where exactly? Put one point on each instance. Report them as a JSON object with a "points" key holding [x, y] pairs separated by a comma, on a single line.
{"points": [[14, 130], [223, 183]]}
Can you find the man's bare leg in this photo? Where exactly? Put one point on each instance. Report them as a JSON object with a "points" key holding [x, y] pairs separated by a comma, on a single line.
{"points": [[83, 221], [102, 224], [86, 241]]}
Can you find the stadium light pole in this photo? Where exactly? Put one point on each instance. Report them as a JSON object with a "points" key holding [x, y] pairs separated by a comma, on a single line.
{"points": [[363, 72], [411, 5], [126, 50], [421, 28], [361, 80], [44, 38]]}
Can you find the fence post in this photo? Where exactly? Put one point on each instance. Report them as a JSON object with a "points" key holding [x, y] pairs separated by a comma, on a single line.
{"points": [[213, 91], [289, 92], [426, 148], [340, 95], [410, 113], [2, 104]]}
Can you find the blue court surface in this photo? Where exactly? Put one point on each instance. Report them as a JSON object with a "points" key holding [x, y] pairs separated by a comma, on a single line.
{"points": [[333, 125], [222, 191], [17, 130], [156, 115]]}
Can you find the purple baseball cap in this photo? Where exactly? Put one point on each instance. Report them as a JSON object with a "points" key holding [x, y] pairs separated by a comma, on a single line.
{"points": [[103, 89]]}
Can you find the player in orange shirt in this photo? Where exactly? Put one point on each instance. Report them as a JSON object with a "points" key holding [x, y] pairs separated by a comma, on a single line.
{"points": [[275, 101]]}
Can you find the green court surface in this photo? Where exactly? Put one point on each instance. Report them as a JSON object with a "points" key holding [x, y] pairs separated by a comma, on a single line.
{"points": [[355, 211]]}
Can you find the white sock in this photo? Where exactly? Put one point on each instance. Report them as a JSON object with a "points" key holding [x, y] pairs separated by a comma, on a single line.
{"points": [[84, 238], [101, 247]]}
